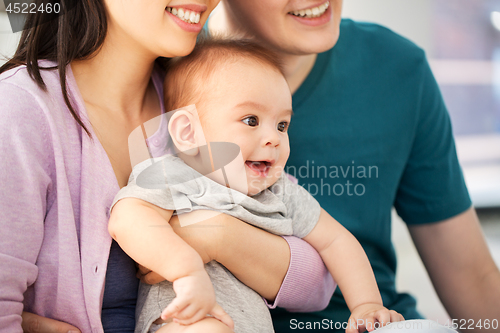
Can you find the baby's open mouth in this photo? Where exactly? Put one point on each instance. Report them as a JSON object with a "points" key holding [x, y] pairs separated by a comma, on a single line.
{"points": [[186, 15], [260, 167]]}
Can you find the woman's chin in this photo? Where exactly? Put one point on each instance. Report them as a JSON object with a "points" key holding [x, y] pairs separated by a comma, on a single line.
{"points": [[183, 47]]}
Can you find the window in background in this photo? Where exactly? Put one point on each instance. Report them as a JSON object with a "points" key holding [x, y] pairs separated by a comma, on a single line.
{"points": [[8, 40], [466, 63]]}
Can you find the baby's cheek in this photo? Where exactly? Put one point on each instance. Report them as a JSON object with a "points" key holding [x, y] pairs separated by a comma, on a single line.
{"points": [[274, 175]]}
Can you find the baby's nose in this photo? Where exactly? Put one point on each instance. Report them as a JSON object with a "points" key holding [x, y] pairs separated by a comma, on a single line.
{"points": [[272, 139]]}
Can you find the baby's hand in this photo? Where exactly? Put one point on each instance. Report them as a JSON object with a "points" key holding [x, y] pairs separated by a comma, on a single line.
{"points": [[195, 299], [364, 317]]}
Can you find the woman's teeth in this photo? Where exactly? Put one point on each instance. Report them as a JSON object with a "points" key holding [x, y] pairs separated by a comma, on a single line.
{"points": [[311, 12], [185, 15]]}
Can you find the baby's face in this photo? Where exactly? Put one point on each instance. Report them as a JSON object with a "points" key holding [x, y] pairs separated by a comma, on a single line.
{"points": [[251, 106]]}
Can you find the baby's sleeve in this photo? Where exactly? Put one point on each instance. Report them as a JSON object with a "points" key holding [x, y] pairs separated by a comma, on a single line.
{"points": [[301, 207], [148, 183]]}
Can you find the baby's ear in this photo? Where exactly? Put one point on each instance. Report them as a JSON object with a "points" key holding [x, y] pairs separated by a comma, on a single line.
{"points": [[182, 128]]}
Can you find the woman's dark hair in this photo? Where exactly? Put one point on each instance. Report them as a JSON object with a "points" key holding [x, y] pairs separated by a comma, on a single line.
{"points": [[76, 33]]}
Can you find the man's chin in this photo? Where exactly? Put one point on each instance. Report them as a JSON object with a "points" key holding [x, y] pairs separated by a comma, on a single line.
{"points": [[314, 45]]}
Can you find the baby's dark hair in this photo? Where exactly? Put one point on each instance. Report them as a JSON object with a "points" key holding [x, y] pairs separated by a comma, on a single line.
{"points": [[186, 77]]}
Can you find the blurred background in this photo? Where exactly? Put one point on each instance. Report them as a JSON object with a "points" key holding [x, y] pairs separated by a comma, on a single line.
{"points": [[462, 41], [8, 40]]}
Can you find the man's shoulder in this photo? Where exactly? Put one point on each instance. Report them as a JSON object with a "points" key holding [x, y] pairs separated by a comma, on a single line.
{"points": [[375, 39]]}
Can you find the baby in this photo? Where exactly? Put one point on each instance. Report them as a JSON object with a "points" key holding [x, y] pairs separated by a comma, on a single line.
{"points": [[229, 158]]}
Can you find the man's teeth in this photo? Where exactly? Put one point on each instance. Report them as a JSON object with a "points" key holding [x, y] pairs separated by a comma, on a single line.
{"points": [[311, 12], [185, 15]]}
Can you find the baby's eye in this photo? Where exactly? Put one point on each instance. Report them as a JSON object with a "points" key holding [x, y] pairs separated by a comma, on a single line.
{"points": [[251, 121], [283, 126]]}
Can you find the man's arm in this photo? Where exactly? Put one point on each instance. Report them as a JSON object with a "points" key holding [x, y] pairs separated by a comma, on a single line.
{"points": [[460, 266]]}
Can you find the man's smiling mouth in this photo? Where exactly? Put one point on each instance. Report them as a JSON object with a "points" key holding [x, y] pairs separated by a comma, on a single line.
{"points": [[311, 12]]}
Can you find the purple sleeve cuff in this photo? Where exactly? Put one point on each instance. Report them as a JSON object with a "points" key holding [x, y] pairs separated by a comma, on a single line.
{"points": [[308, 286]]}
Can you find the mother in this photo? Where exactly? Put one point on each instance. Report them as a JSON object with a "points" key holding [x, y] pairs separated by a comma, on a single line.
{"points": [[75, 89]]}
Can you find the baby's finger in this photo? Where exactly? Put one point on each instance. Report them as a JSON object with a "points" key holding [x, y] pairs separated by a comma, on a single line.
{"points": [[352, 326], [396, 316], [173, 308], [383, 317], [221, 315], [193, 319], [368, 323], [188, 312]]}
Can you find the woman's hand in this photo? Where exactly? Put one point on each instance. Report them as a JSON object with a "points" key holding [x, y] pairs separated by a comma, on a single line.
{"points": [[33, 323]]}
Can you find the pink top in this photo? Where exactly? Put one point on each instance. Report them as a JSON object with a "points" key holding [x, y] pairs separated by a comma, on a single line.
{"points": [[56, 188]]}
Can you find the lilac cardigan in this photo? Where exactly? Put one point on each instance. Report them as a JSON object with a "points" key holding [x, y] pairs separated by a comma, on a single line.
{"points": [[56, 188]]}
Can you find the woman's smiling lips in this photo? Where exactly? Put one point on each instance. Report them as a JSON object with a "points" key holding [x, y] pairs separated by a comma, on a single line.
{"points": [[187, 16]]}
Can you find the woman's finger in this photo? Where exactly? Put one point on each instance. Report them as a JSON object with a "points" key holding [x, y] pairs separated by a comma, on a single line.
{"points": [[147, 276], [33, 323], [152, 278], [141, 270]]}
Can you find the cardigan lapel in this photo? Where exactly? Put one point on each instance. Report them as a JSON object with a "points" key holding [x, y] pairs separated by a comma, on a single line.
{"points": [[97, 190], [99, 187]]}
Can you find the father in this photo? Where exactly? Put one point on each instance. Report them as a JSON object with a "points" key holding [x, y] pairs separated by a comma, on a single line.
{"points": [[370, 132]]}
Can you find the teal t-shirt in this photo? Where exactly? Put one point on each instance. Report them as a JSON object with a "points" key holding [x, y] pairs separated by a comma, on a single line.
{"points": [[370, 132]]}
